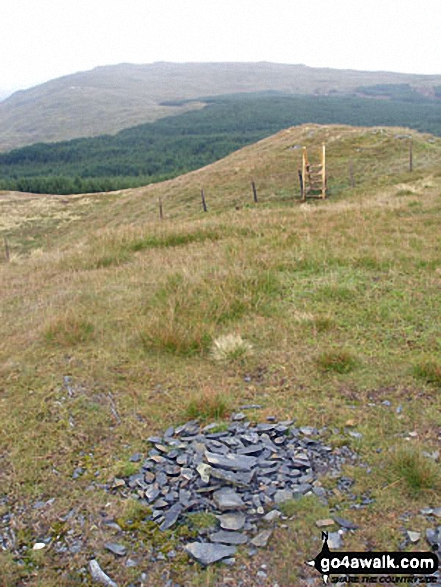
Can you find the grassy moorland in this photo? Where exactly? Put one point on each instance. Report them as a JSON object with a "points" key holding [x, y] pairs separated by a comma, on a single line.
{"points": [[339, 300]]}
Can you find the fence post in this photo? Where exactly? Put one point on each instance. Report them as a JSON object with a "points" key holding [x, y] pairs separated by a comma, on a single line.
{"points": [[161, 213], [410, 156], [301, 184], [204, 203], [253, 185]]}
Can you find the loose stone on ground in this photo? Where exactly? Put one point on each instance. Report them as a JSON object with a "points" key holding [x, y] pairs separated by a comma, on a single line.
{"points": [[243, 475]]}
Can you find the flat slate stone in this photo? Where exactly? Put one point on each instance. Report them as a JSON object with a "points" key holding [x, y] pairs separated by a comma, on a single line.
{"points": [[118, 549], [231, 461], [261, 540], [207, 554], [99, 575], [228, 477], [171, 517], [325, 522], [345, 523], [228, 537], [232, 521], [227, 499], [282, 495]]}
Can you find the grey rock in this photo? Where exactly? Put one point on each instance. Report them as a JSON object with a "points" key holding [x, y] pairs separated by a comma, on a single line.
{"points": [[413, 537], [261, 540], [209, 553], [118, 549], [161, 479], [169, 432], [335, 540], [345, 523], [272, 515], [282, 495], [251, 449], [171, 517], [231, 461], [433, 536], [99, 575], [232, 521], [204, 471], [152, 493], [437, 512], [136, 457], [426, 511], [228, 476], [228, 537], [228, 499]]}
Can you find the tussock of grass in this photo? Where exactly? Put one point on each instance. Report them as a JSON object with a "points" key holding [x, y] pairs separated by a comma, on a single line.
{"points": [[69, 330], [429, 371], [230, 348], [415, 473], [184, 314], [337, 361], [173, 240], [208, 404]]}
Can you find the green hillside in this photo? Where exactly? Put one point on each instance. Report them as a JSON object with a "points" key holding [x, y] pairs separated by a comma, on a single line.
{"points": [[111, 98], [110, 319], [174, 145]]}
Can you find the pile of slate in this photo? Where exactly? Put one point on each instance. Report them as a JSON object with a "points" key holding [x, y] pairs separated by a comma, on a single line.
{"points": [[241, 475]]}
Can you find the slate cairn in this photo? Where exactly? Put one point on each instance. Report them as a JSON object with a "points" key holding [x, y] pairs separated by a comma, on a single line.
{"points": [[241, 475]]}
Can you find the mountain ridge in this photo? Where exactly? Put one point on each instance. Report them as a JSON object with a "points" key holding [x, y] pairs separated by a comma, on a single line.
{"points": [[110, 98]]}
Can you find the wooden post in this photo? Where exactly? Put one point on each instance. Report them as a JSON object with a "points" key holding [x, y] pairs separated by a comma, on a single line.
{"points": [[410, 156], [323, 171], [304, 170], [351, 173], [301, 184], [204, 203], [7, 253], [253, 185], [161, 213]]}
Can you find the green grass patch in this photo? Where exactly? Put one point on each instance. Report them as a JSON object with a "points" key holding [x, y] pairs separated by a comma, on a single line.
{"points": [[429, 371], [173, 240], [69, 330], [185, 314], [337, 361], [201, 520], [415, 473]]}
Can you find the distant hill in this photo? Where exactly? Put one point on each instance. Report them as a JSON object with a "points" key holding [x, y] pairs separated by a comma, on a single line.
{"points": [[111, 98]]}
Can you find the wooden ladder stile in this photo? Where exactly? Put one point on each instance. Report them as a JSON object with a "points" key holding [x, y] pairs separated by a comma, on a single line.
{"points": [[314, 176]]}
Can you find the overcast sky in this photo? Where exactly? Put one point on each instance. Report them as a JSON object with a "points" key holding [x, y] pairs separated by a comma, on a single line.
{"points": [[45, 39]]}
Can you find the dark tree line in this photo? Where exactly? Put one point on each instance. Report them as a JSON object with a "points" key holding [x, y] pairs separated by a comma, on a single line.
{"points": [[171, 146]]}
